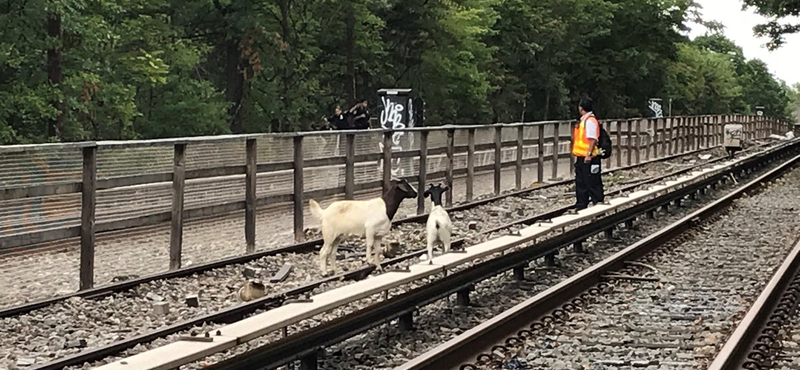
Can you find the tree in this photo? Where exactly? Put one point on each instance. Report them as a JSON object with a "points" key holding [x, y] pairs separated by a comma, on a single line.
{"points": [[775, 10], [794, 105], [77, 70], [701, 82]]}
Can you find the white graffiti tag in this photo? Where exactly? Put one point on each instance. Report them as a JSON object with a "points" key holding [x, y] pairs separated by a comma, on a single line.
{"points": [[656, 108], [392, 118]]}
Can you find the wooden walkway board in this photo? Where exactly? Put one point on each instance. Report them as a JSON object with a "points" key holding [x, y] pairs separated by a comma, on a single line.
{"points": [[264, 323], [173, 355]]}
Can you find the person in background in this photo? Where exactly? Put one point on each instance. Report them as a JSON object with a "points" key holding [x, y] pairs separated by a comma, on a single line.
{"points": [[588, 180], [338, 120], [360, 115]]}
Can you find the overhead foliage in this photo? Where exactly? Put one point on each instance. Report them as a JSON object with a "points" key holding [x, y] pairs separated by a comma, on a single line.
{"points": [[777, 11], [100, 69]]}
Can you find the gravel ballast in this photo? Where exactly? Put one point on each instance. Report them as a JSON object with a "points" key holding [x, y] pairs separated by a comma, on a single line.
{"points": [[72, 326], [386, 347]]}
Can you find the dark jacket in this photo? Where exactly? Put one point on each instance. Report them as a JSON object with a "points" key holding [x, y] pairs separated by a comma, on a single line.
{"points": [[362, 122], [339, 122]]}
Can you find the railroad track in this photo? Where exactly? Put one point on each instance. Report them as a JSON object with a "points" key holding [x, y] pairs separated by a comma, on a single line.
{"points": [[668, 301], [767, 336], [105, 305], [314, 242], [305, 343]]}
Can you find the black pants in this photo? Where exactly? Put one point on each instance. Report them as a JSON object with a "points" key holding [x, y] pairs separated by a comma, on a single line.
{"points": [[588, 185]]}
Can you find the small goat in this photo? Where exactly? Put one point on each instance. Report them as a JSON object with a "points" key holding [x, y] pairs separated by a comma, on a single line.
{"points": [[371, 218], [439, 228]]}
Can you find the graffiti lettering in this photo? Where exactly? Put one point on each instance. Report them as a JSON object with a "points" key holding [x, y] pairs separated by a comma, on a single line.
{"points": [[392, 118], [656, 108], [733, 133]]}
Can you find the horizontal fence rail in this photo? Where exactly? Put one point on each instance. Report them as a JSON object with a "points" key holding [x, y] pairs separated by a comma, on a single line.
{"points": [[51, 192]]}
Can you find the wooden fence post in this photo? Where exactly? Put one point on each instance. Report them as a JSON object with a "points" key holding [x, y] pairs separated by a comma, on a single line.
{"points": [[663, 138], [570, 130], [520, 143], [650, 139], [698, 128], [178, 186], [423, 171], [299, 197], [689, 134], [387, 160], [671, 123], [607, 164], [250, 195], [630, 143], [619, 143], [498, 157], [450, 164], [470, 164], [88, 208], [638, 141], [683, 135], [540, 155], [350, 166], [555, 153]]}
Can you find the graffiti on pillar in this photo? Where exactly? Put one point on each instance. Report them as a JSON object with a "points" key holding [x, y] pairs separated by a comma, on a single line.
{"points": [[392, 117], [655, 108]]}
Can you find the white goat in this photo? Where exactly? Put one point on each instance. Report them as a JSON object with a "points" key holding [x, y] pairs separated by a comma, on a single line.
{"points": [[371, 218], [439, 228]]}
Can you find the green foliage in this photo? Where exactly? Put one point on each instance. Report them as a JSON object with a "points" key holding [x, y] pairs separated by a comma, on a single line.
{"points": [[100, 69], [775, 10], [701, 82], [732, 83]]}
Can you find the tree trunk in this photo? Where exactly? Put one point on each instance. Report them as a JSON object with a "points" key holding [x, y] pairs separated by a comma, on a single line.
{"points": [[234, 88], [54, 76], [288, 68], [350, 45], [547, 105]]}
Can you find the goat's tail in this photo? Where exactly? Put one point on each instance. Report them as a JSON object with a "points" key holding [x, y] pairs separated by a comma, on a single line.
{"points": [[316, 210]]}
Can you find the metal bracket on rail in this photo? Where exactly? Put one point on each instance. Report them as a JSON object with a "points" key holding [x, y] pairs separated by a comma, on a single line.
{"points": [[462, 296]]}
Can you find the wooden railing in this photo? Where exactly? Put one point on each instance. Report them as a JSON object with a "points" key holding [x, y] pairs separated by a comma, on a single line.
{"points": [[634, 140]]}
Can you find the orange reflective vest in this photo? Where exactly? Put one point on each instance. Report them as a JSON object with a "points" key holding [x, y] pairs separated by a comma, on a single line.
{"points": [[580, 144]]}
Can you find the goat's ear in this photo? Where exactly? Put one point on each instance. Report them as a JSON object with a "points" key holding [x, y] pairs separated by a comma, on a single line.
{"points": [[426, 194], [446, 188]]}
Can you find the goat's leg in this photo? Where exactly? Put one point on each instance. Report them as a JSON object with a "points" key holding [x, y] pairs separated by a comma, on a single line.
{"points": [[445, 238], [431, 239], [370, 245], [332, 256], [323, 257], [378, 253]]}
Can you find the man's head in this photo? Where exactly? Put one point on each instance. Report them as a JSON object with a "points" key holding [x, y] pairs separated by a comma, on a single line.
{"points": [[363, 102], [338, 110], [585, 106]]}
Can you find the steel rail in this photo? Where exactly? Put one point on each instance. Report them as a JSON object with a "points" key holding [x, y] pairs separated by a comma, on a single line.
{"points": [[751, 344], [277, 299], [311, 245], [481, 339], [306, 343]]}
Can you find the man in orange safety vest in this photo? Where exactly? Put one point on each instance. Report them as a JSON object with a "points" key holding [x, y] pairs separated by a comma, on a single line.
{"points": [[588, 181]]}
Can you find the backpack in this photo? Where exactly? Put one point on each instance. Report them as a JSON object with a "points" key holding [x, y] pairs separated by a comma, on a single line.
{"points": [[604, 142]]}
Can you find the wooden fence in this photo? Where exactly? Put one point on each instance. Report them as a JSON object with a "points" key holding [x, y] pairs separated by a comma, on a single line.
{"points": [[87, 168]]}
